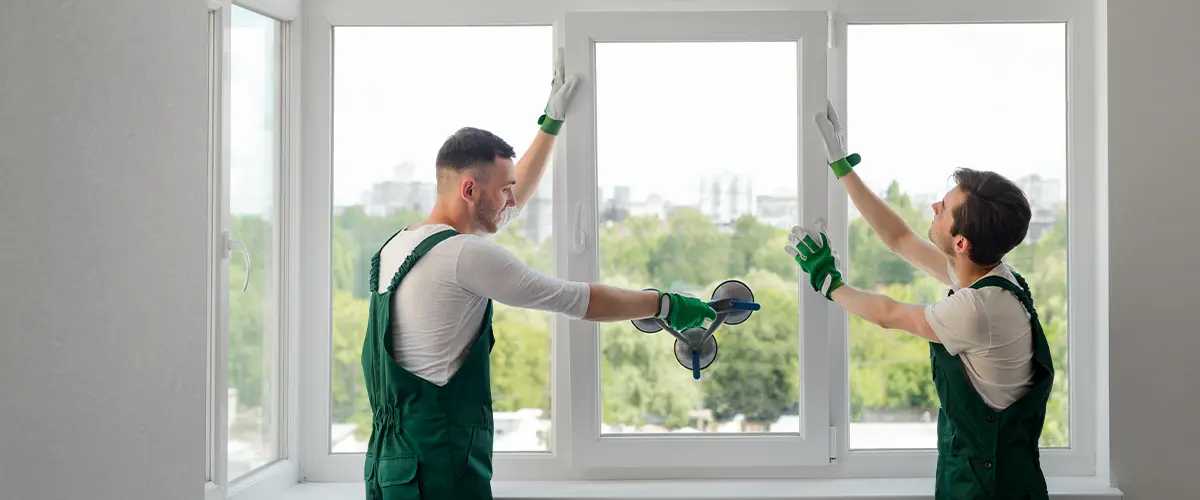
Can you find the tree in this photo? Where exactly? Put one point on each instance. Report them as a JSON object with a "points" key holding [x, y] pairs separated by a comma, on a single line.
{"points": [[691, 251], [248, 316], [756, 373], [641, 381], [520, 360], [349, 394], [757, 368]]}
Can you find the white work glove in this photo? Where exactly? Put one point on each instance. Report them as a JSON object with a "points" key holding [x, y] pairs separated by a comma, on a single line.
{"points": [[835, 136], [811, 249], [561, 90]]}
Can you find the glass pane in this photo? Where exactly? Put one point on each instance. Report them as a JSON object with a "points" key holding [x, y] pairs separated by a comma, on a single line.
{"points": [[254, 205], [925, 99], [698, 175], [398, 93]]}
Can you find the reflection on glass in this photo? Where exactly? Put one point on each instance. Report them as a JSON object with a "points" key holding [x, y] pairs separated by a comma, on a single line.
{"points": [[698, 182], [925, 99], [398, 93], [254, 168]]}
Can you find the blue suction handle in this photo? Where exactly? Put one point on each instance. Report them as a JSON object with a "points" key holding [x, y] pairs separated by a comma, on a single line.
{"points": [[736, 305], [745, 306], [695, 364]]}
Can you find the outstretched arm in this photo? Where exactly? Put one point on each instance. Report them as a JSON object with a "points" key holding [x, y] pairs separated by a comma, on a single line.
{"points": [[885, 222], [885, 311], [488, 270], [810, 248]]}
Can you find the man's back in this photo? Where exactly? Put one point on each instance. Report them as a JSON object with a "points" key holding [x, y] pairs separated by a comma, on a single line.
{"points": [[989, 330]]}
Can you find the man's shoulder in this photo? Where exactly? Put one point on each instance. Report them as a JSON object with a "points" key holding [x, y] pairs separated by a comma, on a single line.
{"points": [[406, 241]]}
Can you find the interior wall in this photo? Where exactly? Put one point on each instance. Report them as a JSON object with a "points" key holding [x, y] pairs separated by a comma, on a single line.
{"points": [[102, 191], [103, 208], [1154, 168]]}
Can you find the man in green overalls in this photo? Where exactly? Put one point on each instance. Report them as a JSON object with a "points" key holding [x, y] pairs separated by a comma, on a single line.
{"points": [[990, 361], [429, 333]]}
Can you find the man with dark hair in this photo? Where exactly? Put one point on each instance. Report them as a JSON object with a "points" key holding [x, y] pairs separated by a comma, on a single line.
{"points": [[991, 362], [429, 332]]}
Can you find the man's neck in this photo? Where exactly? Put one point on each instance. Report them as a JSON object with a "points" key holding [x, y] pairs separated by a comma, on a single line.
{"points": [[456, 219], [967, 273]]}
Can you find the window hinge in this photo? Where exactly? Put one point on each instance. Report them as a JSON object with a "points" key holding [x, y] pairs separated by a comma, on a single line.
{"points": [[833, 446], [831, 30]]}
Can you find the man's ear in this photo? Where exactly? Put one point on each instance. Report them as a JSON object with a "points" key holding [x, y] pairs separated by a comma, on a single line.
{"points": [[467, 188], [962, 245]]}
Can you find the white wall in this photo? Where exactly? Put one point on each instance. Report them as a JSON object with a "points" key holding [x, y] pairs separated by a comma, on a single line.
{"points": [[1154, 158], [102, 249], [102, 282]]}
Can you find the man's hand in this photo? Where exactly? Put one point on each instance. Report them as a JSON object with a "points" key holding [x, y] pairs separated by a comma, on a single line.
{"points": [[682, 312], [561, 90], [835, 136], [818, 260]]}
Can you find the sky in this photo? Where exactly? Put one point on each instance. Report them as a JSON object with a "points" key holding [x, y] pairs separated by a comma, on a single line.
{"points": [[253, 121], [922, 100]]}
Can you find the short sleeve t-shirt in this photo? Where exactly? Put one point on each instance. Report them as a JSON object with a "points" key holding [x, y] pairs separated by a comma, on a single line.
{"points": [[989, 330]]}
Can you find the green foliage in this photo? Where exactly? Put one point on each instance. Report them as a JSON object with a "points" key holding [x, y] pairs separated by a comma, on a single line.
{"points": [[250, 312], [758, 360], [756, 374]]}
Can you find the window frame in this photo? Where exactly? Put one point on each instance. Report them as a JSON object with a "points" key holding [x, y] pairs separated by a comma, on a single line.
{"points": [[1086, 199], [807, 29], [284, 472], [1087, 204]]}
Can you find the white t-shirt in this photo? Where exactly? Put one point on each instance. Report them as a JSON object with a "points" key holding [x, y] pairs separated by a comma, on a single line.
{"points": [[989, 330], [438, 308]]}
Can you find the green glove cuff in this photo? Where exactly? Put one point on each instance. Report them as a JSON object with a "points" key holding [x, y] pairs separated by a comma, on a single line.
{"points": [[550, 125], [842, 167]]}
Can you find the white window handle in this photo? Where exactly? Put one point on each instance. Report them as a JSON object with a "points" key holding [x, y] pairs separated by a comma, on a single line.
{"points": [[580, 240], [238, 246]]}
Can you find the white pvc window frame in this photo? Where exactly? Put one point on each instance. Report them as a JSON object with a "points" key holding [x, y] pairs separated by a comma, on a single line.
{"points": [[1087, 209], [577, 196], [284, 472]]}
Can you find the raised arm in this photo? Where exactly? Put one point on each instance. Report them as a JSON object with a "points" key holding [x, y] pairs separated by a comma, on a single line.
{"points": [[892, 230], [532, 164], [885, 222]]}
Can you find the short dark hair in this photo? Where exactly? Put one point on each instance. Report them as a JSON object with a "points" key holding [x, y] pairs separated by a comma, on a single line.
{"points": [[994, 216], [471, 148]]}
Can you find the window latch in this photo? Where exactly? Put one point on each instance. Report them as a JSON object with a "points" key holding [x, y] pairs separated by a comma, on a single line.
{"points": [[232, 245]]}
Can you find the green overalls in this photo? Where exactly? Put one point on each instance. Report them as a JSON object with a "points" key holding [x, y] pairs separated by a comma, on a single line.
{"points": [[983, 453], [427, 442]]}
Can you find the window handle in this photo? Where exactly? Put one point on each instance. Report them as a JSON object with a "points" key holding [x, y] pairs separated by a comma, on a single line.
{"points": [[579, 241], [232, 245]]}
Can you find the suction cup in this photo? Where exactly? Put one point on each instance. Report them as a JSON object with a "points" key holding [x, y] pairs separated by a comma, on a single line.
{"points": [[647, 325], [696, 356], [735, 290]]}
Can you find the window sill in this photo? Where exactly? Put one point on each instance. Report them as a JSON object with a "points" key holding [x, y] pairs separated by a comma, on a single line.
{"points": [[840, 489]]}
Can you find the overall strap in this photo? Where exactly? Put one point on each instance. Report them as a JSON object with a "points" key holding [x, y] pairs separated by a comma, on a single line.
{"points": [[374, 281], [423, 248], [1022, 292]]}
